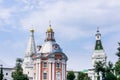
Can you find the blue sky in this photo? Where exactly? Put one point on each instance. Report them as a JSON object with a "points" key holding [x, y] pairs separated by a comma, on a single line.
{"points": [[74, 23]]}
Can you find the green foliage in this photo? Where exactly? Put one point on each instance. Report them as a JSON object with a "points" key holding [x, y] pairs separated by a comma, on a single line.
{"points": [[99, 67], [110, 76], [118, 78], [70, 75], [117, 65], [18, 73], [118, 53], [1, 73], [117, 68], [98, 77], [83, 76], [110, 68], [110, 72]]}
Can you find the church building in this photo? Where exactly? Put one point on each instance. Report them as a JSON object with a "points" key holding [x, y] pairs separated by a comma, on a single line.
{"points": [[48, 62]]}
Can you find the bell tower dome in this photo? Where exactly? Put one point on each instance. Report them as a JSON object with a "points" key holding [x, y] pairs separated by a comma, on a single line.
{"points": [[50, 34]]}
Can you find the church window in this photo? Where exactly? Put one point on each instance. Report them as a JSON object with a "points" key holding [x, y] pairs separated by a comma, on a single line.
{"points": [[49, 35], [58, 65], [6, 73], [44, 75], [44, 64]]}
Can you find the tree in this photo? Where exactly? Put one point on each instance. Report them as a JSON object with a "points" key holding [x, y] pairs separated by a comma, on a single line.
{"points": [[86, 77], [1, 73], [109, 67], [117, 68], [18, 73], [70, 75], [99, 67], [118, 78], [110, 72], [118, 53], [80, 76], [110, 76], [117, 65], [83, 76]]}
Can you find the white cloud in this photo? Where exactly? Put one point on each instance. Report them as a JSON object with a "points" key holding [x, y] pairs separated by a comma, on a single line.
{"points": [[76, 13], [6, 18]]}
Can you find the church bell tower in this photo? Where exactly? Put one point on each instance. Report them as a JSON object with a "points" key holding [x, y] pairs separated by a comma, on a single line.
{"points": [[28, 60], [99, 53]]}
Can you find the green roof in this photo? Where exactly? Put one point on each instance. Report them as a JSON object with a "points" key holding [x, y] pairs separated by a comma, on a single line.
{"points": [[98, 45], [85, 71]]}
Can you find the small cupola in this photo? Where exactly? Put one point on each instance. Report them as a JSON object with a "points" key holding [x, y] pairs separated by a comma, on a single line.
{"points": [[49, 29], [50, 34]]}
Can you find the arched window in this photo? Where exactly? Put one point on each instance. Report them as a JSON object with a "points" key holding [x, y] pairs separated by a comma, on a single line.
{"points": [[57, 65], [44, 64], [44, 75]]}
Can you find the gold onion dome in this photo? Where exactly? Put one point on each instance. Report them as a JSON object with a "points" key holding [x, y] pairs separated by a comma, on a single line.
{"points": [[50, 29], [31, 30]]}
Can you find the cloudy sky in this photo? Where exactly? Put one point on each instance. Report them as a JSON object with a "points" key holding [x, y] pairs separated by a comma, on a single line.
{"points": [[73, 21]]}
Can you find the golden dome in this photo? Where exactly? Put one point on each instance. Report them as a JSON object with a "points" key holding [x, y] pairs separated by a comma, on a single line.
{"points": [[49, 29], [31, 30]]}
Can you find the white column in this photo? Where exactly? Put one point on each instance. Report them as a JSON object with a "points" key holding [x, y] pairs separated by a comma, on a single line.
{"points": [[62, 71], [36, 71], [40, 70], [49, 68], [53, 70], [65, 71], [33, 71]]}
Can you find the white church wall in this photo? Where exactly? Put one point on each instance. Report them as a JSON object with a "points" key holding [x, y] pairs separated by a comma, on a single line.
{"points": [[7, 72]]}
